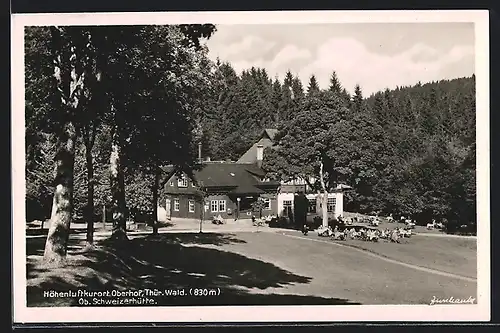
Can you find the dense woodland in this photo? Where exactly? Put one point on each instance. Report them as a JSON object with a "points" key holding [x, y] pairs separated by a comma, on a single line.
{"points": [[106, 107], [408, 151]]}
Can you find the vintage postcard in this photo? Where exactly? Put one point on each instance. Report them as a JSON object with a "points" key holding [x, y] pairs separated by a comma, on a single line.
{"points": [[251, 167]]}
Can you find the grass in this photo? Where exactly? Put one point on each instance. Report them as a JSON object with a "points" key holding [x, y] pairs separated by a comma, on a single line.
{"points": [[451, 255], [350, 274], [249, 268]]}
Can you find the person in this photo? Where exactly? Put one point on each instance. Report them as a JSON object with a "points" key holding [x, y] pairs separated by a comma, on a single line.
{"points": [[305, 229]]}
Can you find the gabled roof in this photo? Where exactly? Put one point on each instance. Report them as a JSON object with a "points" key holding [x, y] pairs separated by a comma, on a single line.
{"points": [[241, 177], [224, 174], [250, 156], [270, 132]]}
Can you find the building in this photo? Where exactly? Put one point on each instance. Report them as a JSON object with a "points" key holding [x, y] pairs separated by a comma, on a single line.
{"points": [[229, 189], [219, 188], [255, 154], [289, 189]]}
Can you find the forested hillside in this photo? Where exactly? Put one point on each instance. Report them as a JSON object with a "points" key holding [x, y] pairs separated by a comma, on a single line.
{"points": [[410, 150], [407, 151]]}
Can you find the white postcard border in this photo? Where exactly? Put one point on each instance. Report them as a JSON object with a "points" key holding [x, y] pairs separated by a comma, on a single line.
{"points": [[355, 313]]}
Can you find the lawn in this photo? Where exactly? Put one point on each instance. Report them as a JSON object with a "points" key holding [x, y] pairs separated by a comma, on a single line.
{"points": [[248, 268], [454, 255]]}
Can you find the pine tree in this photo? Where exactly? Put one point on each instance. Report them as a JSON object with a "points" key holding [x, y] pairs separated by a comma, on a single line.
{"points": [[288, 81], [312, 87], [379, 109], [297, 89], [276, 101], [286, 106], [358, 103], [335, 85]]}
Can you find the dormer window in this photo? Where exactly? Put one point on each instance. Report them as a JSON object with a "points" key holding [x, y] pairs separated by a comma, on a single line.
{"points": [[182, 181]]}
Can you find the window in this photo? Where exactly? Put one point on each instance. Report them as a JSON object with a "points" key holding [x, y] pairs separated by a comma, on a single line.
{"points": [[171, 183], [311, 208], [287, 207], [176, 205], [182, 181], [191, 206], [218, 206], [331, 205], [267, 203], [193, 184], [222, 205]]}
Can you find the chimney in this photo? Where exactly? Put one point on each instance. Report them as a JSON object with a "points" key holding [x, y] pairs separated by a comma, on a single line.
{"points": [[260, 154], [199, 153]]}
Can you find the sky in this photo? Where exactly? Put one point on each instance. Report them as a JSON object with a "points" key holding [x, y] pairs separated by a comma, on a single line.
{"points": [[374, 55]]}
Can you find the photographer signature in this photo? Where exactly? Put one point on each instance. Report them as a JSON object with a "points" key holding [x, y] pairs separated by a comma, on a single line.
{"points": [[452, 300]]}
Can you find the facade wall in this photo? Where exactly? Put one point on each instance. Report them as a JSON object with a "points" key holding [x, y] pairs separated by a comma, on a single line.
{"points": [[282, 198], [189, 192], [172, 185], [161, 214], [339, 202], [274, 204], [230, 211], [212, 207], [182, 209], [339, 207]]}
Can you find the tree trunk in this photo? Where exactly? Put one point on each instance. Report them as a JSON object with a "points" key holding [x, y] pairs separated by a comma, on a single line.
{"points": [[89, 212], [118, 205], [57, 238], [324, 197], [69, 78], [154, 190]]}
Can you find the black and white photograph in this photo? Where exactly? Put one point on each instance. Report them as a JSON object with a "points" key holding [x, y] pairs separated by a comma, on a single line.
{"points": [[251, 166]]}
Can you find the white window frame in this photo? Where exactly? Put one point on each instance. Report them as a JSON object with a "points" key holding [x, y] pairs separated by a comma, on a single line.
{"points": [[217, 204], [330, 204], [267, 203], [191, 206], [285, 205], [311, 207], [177, 205], [182, 181], [223, 203], [171, 183], [214, 203]]}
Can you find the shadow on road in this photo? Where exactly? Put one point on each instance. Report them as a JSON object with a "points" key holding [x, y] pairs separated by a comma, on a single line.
{"points": [[165, 262]]}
